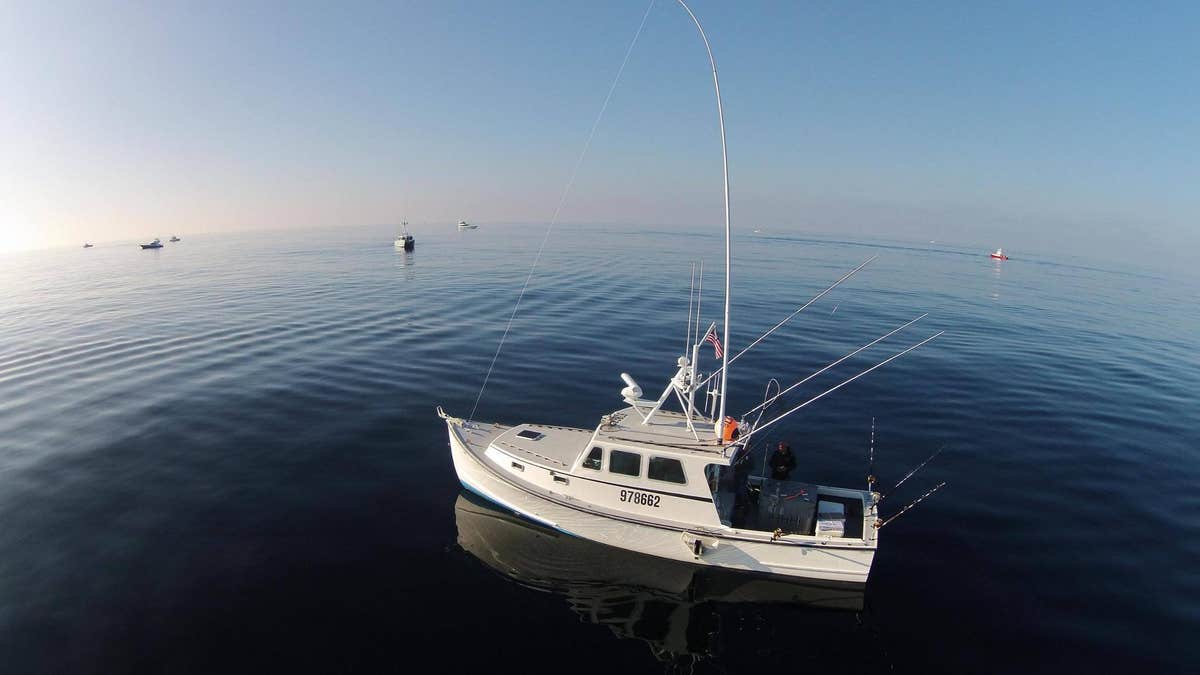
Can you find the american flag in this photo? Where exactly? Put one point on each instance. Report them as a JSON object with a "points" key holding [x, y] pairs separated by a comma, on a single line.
{"points": [[711, 338]]}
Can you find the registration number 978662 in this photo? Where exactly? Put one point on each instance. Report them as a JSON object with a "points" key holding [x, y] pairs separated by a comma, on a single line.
{"points": [[641, 498]]}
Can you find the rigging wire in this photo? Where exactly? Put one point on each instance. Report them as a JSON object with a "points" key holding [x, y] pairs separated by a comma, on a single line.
{"points": [[562, 200]]}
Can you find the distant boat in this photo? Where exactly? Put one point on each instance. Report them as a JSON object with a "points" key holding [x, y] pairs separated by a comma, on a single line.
{"points": [[999, 254], [154, 244], [405, 240], [174, 238], [87, 245], [464, 225]]}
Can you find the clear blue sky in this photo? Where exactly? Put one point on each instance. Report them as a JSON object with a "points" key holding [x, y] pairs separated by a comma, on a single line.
{"points": [[1037, 126]]}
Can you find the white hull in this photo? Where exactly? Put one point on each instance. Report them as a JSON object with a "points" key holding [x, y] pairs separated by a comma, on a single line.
{"points": [[731, 549]]}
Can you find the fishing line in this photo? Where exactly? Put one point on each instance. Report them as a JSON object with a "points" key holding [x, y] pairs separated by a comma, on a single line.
{"points": [[562, 200]]}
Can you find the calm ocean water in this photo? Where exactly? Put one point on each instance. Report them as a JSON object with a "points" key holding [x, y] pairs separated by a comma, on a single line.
{"points": [[224, 456]]}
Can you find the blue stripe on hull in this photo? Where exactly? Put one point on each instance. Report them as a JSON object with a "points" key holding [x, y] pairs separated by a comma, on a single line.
{"points": [[475, 491]]}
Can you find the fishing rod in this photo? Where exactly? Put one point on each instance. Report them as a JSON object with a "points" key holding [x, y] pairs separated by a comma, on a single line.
{"points": [[871, 460], [816, 297], [749, 449], [848, 381], [880, 524], [910, 473], [831, 365]]}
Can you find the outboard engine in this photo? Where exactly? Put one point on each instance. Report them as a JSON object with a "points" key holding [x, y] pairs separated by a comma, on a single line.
{"points": [[631, 393]]}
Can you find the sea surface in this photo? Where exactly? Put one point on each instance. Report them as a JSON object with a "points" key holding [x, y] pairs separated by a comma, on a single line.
{"points": [[224, 455]]}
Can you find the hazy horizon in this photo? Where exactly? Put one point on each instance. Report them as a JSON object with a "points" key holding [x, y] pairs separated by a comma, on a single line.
{"points": [[1068, 128]]}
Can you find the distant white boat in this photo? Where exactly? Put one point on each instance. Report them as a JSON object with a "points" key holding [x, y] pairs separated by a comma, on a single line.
{"points": [[87, 245], [404, 240], [174, 238], [464, 225], [154, 244]]}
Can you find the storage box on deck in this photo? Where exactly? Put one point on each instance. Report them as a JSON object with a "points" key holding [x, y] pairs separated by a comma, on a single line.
{"points": [[831, 519]]}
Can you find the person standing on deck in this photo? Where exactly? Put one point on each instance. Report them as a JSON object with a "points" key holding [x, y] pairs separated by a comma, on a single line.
{"points": [[782, 461]]}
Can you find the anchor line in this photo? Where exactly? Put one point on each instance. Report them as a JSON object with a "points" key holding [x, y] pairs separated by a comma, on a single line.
{"points": [[558, 209]]}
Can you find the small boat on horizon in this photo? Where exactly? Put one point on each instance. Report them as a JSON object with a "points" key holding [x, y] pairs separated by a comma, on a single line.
{"points": [[87, 245], [404, 240], [464, 225], [154, 244], [174, 238], [999, 255]]}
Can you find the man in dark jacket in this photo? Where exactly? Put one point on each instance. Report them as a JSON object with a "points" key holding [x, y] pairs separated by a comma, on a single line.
{"points": [[782, 461]]}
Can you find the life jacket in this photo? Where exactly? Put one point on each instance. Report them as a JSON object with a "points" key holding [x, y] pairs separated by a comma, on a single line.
{"points": [[729, 430]]}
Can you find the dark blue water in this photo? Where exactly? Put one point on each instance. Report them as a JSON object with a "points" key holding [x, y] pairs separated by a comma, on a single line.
{"points": [[224, 456]]}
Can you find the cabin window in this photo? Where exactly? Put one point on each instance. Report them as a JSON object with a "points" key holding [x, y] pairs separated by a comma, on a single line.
{"points": [[530, 434], [665, 469], [628, 463], [594, 458]]}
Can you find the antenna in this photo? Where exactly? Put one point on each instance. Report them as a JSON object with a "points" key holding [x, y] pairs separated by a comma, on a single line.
{"points": [[720, 420], [687, 341], [699, 296]]}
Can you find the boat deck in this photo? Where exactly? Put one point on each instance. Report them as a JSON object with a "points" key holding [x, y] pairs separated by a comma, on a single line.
{"points": [[547, 445]]}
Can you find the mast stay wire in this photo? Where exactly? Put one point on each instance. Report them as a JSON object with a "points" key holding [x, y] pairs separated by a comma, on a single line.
{"points": [[561, 201]]}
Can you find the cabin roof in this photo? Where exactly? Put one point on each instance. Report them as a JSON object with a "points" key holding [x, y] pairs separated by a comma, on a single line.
{"points": [[558, 447], [667, 432]]}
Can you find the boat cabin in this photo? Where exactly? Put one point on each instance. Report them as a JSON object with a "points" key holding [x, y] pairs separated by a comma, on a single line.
{"points": [[664, 471]]}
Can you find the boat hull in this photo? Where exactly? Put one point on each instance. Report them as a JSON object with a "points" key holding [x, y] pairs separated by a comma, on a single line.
{"points": [[782, 558]]}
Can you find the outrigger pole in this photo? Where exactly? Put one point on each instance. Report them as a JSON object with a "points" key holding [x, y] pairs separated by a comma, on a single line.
{"points": [[847, 381], [791, 316], [720, 420], [831, 365]]}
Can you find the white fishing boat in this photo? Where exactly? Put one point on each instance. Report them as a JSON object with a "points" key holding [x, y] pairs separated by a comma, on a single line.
{"points": [[174, 238], [674, 483], [154, 244], [464, 225], [404, 240]]}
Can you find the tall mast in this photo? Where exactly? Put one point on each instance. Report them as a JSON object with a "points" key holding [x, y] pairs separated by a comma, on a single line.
{"points": [[725, 167]]}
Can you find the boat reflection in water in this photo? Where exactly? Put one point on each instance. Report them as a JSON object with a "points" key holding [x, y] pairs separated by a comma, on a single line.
{"points": [[676, 608]]}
